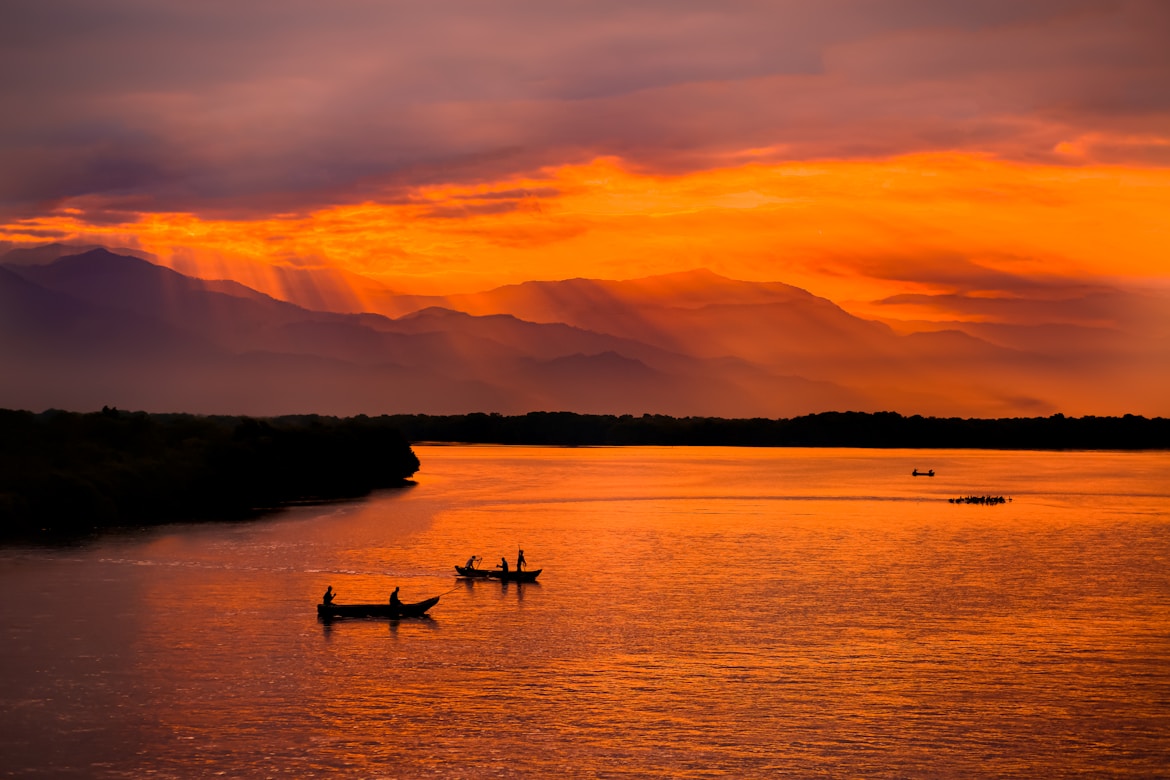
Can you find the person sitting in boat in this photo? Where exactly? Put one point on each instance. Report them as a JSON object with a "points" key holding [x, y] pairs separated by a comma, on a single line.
{"points": [[471, 562], [327, 599], [520, 561], [394, 600], [503, 565]]}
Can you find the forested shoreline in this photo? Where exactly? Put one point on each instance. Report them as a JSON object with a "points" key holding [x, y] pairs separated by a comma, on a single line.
{"points": [[64, 474], [827, 429], [68, 474]]}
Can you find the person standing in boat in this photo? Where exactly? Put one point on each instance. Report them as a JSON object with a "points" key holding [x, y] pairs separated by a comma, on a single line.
{"points": [[471, 562], [503, 564], [394, 600], [327, 599], [520, 561]]}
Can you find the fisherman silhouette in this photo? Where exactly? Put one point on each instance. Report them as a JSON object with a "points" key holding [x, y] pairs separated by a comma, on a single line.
{"points": [[327, 599], [520, 561], [504, 565], [394, 600]]}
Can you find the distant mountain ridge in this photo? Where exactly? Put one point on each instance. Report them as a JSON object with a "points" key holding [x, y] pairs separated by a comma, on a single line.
{"points": [[48, 253], [102, 328], [245, 352]]}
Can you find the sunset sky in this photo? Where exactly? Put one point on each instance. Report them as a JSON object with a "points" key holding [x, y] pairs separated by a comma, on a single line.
{"points": [[905, 158]]}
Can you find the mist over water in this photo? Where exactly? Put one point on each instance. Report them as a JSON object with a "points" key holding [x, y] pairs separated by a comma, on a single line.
{"points": [[702, 612]]}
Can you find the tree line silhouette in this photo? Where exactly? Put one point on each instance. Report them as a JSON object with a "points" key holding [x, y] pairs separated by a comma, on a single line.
{"points": [[64, 474], [67, 474], [828, 429]]}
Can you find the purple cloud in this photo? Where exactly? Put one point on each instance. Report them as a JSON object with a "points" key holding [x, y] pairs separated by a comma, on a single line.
{"points": [[247, 108]]}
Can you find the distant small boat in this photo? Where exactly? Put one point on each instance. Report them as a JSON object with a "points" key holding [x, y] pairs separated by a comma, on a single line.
{"points": [[393, 611], [472, 572], [515, 576], [917, 473]]}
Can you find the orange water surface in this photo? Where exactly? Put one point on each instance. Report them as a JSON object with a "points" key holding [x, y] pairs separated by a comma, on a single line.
{"points": [[702, 612]]}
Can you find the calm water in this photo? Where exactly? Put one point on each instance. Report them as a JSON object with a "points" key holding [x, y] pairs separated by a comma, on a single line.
{"points": [[702, 613]]}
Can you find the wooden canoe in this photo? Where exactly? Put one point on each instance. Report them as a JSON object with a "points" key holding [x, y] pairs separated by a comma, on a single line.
{"points": [[467, 571], [515, 576], [417, 609]]}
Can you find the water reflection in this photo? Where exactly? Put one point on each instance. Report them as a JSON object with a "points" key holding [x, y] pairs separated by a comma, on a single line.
{"points": [[329, 623], [700, 613], [519, 587]]}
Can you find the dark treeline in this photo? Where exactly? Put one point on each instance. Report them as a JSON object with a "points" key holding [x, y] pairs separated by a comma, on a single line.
{"points": [[829, 429], [67, 474]]}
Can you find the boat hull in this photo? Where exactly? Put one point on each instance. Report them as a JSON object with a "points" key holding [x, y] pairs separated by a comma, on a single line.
{"points": [[475, 574], [516, 576], [394, 612]]}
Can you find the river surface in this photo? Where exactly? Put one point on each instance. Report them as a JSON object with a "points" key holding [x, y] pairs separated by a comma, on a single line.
{"points": [[702, 612]]}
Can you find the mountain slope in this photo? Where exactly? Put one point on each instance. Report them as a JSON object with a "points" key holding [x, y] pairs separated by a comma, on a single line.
{"points": [[683, 344], [246, 352], [783, 331]]}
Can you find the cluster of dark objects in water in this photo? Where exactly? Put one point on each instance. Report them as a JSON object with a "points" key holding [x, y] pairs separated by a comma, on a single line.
{"points": [[979, 500]]}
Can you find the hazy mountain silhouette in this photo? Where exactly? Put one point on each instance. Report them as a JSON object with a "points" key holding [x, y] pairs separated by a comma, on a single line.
{"points": [[132, 284], [1098, 349], [41, 323], [100, 328], [224, 313], [161, 342], [47, 253], [782, 331], [61, 351], [701, 314]]}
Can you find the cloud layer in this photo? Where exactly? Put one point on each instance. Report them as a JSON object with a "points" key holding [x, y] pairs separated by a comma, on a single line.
{"points": [[249, 109]]}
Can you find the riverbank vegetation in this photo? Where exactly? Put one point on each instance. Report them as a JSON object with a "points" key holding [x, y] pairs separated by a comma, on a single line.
{"points": [[829, 429], [68, 474], [64, 474]]}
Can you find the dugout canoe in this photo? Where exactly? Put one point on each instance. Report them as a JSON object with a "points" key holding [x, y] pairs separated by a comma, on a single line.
{"points": [[515, 576], [392, 611]]}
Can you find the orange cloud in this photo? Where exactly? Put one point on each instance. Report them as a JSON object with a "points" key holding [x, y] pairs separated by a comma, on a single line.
{"points": [[848, 230]]}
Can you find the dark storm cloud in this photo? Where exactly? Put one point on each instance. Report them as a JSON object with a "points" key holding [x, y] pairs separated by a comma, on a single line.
{"points": [[236, 107]]}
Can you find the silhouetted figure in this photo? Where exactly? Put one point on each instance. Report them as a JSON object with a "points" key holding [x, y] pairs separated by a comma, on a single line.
{"points": [[327, 599], [520, 561], [504, 565], [394, 600], [471, 562]]}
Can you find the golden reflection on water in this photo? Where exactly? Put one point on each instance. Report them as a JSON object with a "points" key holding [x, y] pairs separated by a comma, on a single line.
{"points": [[702, 612]]}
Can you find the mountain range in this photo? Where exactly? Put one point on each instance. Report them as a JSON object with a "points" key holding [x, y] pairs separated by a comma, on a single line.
{"points": [[83, 329]]}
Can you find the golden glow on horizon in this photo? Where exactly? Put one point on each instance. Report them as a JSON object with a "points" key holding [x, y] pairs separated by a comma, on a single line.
{"points": [[846, 230]]}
